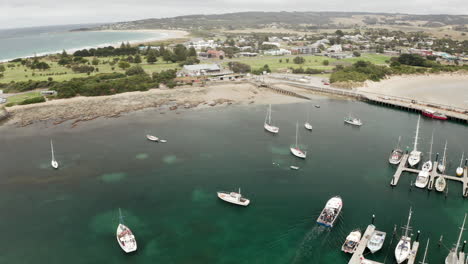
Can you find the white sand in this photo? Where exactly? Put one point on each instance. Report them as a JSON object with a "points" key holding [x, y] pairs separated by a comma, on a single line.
{"points": [[448, 89]]}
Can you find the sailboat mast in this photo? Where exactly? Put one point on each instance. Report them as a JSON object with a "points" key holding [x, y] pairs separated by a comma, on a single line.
{"points": [[461, 233], [407, 224], [52, 150], [461, 161], [297, 127], [120, 216], [399, 141], [269, 116], [445, 150], [425, 253], [417, 134], [430, 150]]}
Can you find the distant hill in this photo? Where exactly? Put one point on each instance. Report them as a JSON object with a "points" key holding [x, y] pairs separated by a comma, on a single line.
{"points": [[292, 20]]}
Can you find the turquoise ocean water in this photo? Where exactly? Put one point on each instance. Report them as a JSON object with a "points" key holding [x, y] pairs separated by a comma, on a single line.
{"points": [[26, 42], [168, 191]]}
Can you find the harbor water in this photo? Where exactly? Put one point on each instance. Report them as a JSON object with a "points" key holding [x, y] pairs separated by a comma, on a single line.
{"points": [[167, 192]]}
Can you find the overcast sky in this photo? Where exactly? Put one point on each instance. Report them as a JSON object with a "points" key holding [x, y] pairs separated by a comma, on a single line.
{"points": [[25, 13]]}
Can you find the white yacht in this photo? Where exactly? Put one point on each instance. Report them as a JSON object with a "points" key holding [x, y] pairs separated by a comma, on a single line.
{"points": [[427, 166], [267, 125], [53, 162], [415, 155], [295, 149], [442, 165], [397, 154], [452, 257], [459, 170], [152, 138], [351, 242], [125, 237], [422, 179], [233, 197], [440, 184], [330, 212], [353, 121], [307, 124], [403, 249], [376, 241]]}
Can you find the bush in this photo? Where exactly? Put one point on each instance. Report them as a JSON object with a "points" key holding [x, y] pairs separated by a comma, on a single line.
{"points": [[359, 72], [238, 67], [325, 62], [356, 54], [34, 100], [164, 76], [134, 70], [124, 65], [82, 68], [298, 60]]}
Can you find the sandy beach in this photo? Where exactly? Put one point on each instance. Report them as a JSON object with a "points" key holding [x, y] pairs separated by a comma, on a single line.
{"points": [[447, 88], [163, 100], [169, 34]]}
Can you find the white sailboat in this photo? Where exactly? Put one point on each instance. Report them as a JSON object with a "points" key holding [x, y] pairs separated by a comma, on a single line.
{"points": [[54, 163], [440, 184], [427, 166], [152, 138], [452, 257], [403, 249], [125, 237], [233, 197], [307, 124], [415, 155], [442, 165], [295, 149], [267, 125], [397, 154], [460, 168]]}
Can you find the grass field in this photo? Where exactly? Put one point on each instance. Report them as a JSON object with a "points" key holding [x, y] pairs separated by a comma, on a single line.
{"points": [[315, 62], [22, 73], [21, 97]]}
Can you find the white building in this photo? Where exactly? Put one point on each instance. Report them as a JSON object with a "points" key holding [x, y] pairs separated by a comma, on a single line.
{"points": [[200, 44], [277, 52], [335, 48]]}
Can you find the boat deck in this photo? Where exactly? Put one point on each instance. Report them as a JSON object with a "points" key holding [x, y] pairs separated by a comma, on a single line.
{"points": [[402, 167]]}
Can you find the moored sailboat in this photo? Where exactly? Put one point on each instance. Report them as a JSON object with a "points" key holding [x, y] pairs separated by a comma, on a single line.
{"points": [[307, 124], [397, 154], [459, 170], [267, 125], [415, 155], [452, 257], [125, 237], [53, 162], [442, 165], [403, 249], [427, 166], [295, 149]]}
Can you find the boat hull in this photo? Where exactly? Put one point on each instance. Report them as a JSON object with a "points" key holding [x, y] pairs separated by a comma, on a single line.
{"points": [[434, 115], [308, 126], [376, 241], [271, 129], [152, 138], [441, 168], [440, 184], [422, 179], [126, 239], [396, 156], [54, 164], [427, 166], [459, 171], [414, 158], [402, 250], [225, 196], [298, 153], [335, 204]]}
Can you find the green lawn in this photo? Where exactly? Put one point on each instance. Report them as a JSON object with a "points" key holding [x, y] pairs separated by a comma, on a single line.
{"points": [[22, 73], [21, 97]]}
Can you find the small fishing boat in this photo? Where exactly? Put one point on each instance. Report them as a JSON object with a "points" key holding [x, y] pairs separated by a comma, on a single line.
{"points": [[351, 242], [452, 257], [376, 241], [415, 155], [125, 237], [403, 249], [397, 154], [267, 125], [162, 140], [295, 149], [459, 170], [294, 167], [422, 179], [53, 162], [233, 197], [330, 212], [152, 138], [440, 184], [442, 165], [353, 121], [433, 114]]}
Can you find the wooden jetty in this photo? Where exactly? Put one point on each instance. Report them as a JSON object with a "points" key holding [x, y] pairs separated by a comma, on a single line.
{"points": [[414, 251], [402, 167], [358, 255]]}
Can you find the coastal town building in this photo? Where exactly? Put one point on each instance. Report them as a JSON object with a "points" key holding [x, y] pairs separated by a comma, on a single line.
{"points": [[201, 44], [335, 48], [202, 70], [271, 43], [277, 52], [311, 49], [216, 54]]}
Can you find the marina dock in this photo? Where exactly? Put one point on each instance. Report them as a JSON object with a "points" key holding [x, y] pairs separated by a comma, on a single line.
{"points": [[414, 251], [402, 167]]}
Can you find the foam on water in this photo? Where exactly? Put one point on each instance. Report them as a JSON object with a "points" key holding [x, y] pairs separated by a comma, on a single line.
{"points": [[113, 177]]}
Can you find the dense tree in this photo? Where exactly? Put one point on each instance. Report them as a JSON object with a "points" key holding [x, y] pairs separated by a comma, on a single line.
{"points": [[2, 68], [191, 52], [325, 62], [151, 57], [164, 76], [134, 70], [168, 56], [137, 58], [124, 65], [356, 54], [238, 67], [298, 60], [180, 52], [95, 61]]}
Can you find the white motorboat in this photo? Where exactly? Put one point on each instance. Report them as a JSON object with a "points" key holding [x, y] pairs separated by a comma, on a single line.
{"points": [[295, 149], [422, 179], [233, 197], [294, 167], [403, 249], [267, 125], [330, 212], [152, 138], [442, 165], [351, 242], [353, 121], [415, 155], [440, 184], [376, 241], [125, 237], [397, 154], [452, 257], [53, 162], [459, 170], [308, 126], [427, 166], [317, 106]]}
